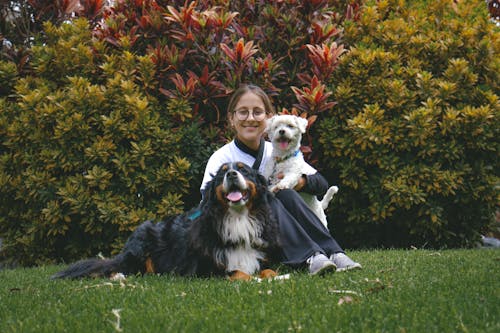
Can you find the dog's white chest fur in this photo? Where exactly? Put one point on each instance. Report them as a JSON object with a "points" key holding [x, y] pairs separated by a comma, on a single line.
{"points": [[245, 232], [290, 168]]}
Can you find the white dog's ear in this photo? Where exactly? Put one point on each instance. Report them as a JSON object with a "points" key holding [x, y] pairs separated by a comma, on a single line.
{"points": [[269, 124], [301, 124]]}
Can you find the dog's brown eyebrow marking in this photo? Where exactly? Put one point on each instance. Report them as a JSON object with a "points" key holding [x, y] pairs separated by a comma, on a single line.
{"points": [[225, 167], [240, 165]]}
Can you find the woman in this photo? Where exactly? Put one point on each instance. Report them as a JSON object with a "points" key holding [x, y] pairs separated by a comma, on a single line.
{"points": [[304, 238]]}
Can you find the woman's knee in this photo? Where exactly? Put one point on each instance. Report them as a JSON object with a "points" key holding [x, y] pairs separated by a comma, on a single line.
{"points": [[288, 197]]}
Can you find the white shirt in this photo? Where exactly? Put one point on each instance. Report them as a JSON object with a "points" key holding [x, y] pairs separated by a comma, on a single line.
{"points": [[231, 153]]}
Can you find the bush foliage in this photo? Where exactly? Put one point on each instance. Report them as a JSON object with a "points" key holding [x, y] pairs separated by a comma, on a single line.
{"points": [[114, 120], [108, 119], [414, 136], [84, 163]]}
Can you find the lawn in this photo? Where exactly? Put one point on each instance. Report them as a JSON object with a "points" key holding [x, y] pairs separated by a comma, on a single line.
{"points": [[397, 291]]}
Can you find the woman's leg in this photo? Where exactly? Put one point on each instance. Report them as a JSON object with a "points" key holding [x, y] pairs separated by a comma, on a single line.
{"points": [[309, 222], [294, 204], [295, 242]]}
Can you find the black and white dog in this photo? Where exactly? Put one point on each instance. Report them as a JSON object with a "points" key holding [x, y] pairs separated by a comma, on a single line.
{"points": [[233, 232]]}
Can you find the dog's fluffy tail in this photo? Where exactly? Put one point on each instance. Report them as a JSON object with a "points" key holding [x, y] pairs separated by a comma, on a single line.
{"points": [[131, 260], [328, 196], [91, 268]]}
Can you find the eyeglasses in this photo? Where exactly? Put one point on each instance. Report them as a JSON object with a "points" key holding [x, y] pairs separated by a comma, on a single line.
{"points": [[256, 114]]}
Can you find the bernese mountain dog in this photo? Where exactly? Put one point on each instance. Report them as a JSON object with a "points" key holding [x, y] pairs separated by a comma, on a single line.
{"points": [[233, 232]]}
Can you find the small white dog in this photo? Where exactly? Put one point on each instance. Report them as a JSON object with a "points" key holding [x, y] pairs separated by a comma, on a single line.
{"points": [[285, 133]]}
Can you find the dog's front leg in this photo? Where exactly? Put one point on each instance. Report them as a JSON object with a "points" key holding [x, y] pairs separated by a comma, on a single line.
{"points": [[267, 274], [239, 276]]}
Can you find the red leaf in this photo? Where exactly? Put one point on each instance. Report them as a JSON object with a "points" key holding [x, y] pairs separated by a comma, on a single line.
{"points": [[311, 120], [306, 149]]}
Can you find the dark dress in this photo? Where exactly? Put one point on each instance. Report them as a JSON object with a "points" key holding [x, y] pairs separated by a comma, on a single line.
{"points": [[301, 232]]}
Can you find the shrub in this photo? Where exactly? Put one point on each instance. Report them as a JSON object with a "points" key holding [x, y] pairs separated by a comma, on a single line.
{"points": [[413, 140], [109, 121], [115, 119], [83, 163], [8, 76]]}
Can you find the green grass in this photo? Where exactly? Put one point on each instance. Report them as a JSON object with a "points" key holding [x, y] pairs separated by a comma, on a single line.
{"points": [[397, 291]]}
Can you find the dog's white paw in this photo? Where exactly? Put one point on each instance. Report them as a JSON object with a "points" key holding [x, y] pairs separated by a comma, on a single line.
{"points": [[274, 188], [287, 184], [278, 187]]}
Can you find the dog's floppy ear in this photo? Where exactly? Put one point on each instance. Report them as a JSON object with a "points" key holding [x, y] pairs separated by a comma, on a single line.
{"points": [[210, 192], [261, 181], [301, 124], [269, 124]]}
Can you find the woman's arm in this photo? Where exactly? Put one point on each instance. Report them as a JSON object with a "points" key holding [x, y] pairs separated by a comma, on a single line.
{"points": [[213, 164], [314, 184]]}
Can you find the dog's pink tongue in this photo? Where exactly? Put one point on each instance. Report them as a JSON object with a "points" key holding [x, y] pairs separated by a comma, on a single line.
{"points": [[283, 145], [234, 196]]}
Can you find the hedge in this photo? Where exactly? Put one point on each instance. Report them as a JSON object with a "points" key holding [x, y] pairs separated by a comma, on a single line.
{"points": [[108, 120], [413, 141]]}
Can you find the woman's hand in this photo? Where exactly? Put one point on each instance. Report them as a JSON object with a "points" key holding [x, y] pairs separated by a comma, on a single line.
{"points": [[301, 183]]}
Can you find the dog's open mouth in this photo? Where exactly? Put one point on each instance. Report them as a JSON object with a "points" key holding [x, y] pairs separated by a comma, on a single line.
{"points": [[283, 143], [237, 196]]}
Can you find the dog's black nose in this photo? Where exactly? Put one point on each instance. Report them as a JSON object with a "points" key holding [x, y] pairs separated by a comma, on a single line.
{"points": [[232, 174], [281, 132]]}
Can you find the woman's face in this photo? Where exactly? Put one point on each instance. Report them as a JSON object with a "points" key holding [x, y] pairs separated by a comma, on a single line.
{"points": [[249, 130]]}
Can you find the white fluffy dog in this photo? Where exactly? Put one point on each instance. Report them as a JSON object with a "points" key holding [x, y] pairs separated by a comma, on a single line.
{"points": [[285, 133]]}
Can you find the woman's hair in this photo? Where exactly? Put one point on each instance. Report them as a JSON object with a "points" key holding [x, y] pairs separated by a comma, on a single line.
{"points": [[243, 89]]}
